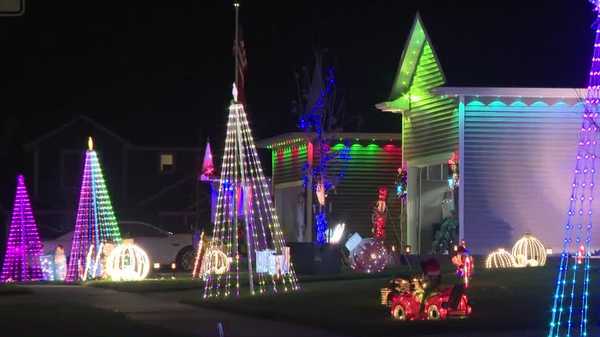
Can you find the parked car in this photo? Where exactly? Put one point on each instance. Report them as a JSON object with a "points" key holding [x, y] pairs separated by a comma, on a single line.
{"points": [[163, 247]]}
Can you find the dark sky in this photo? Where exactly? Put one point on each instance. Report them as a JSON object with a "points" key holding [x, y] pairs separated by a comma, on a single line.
{"points": [[160, 72]]}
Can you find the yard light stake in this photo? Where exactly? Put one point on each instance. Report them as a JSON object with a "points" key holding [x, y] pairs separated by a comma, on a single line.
{"points": [[569, 315], [23, 250]]}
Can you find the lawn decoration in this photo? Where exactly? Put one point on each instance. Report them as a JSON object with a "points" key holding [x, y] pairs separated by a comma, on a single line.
{"points": [[251, 210], [127, 262], [320, 110], [379, 216], [23, 249], [200, 251], [500, 258], [95, 225], [407, 301], [529, 252], [464, 263], [334, 235], [569, 314], [47, 263], [369, 256], [215, 261], [401, 183], [267, 261]]}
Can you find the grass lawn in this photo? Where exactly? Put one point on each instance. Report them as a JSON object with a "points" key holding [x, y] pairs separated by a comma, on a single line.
{"points": [[11, 289], [40, 319], [185, 282], [502, 300]]}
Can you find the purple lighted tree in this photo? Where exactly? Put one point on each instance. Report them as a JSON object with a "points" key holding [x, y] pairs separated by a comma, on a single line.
{"points": [[23, 249]]}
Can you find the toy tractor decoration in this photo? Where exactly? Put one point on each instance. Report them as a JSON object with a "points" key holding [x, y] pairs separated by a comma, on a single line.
{"points": [[406, 302]]}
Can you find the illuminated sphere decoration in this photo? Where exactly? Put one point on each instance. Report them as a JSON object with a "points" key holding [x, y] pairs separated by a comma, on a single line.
{"points": [[370, 256], [215, 261], [529, 252], [500, 258], [128, 262]]}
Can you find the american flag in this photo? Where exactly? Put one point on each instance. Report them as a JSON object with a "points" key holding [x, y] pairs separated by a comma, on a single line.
{"points": [[240, 53]]}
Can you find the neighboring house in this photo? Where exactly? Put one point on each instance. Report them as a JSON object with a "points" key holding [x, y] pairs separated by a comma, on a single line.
{"points": [[146, 183], [372, 162], [516, 147]]}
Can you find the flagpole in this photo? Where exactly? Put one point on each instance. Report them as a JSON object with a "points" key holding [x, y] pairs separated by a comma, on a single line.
{"points": [[236, 4]]}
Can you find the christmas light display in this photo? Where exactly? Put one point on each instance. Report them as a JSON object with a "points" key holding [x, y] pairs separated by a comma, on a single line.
{"points": [[379, 217], [253, 224], [128, 262], [334, 235], [500, 258], [529, 252], [370, 256], [208, 168], [200, 251], [96, 223], [569, 315], [215, 262], [463, 261], [47, 263], [23, 250]]}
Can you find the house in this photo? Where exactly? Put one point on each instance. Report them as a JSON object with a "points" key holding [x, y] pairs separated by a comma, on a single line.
{"points": [[516, 150], [372, 161], [146, 183]]}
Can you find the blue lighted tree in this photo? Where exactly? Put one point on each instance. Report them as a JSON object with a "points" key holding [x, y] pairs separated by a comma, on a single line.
{"points": [[321, 112], [569, 316]]}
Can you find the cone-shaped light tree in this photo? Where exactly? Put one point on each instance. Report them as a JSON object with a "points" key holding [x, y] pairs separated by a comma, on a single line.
{"points": [[96, 223], [22, 259], [246, 225], [569, 315]]}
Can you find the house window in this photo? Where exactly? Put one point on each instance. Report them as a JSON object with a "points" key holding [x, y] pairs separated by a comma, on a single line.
{"points": [[167, 163]]}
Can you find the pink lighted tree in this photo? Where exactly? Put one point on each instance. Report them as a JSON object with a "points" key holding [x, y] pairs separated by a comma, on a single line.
{"points": [[23, 249]]}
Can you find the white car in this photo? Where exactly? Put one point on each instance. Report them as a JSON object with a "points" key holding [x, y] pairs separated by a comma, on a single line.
{"points": [[163, 247]]}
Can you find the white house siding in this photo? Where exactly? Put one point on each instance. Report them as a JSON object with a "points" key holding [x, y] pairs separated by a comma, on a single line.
{"points": [[519, 155]]}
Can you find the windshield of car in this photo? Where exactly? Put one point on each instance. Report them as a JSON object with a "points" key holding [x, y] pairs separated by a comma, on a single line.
{"points": [[137, 229]]}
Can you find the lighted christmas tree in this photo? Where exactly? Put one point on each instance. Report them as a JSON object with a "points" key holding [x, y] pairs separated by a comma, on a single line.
{"points": [[23, 250], [569, 316], [96, 224], [246, 224]]}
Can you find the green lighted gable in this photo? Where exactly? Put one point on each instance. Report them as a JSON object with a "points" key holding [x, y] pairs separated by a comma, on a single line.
{"points": [[418, 71], [430, 121]]}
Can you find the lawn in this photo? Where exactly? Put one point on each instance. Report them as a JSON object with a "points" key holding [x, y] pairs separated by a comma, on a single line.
{"points": [[32, 318], [502, 300], [11, 289]]}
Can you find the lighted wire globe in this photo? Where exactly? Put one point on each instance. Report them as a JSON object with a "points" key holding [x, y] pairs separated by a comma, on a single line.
{"points": [[128, 262], [529, 252], [214, 261], [500, 258], [370, 256]]}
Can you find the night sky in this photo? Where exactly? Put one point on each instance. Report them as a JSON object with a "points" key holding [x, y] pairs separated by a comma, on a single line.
{"points": [[160, 72]]}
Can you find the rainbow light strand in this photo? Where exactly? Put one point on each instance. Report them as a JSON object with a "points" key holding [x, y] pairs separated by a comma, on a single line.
{"points": [[569, 316], [23, 250], [245, 216], [96, 222]]}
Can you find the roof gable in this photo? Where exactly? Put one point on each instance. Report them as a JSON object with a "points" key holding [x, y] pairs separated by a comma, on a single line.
{"points": [[418, 72]]}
